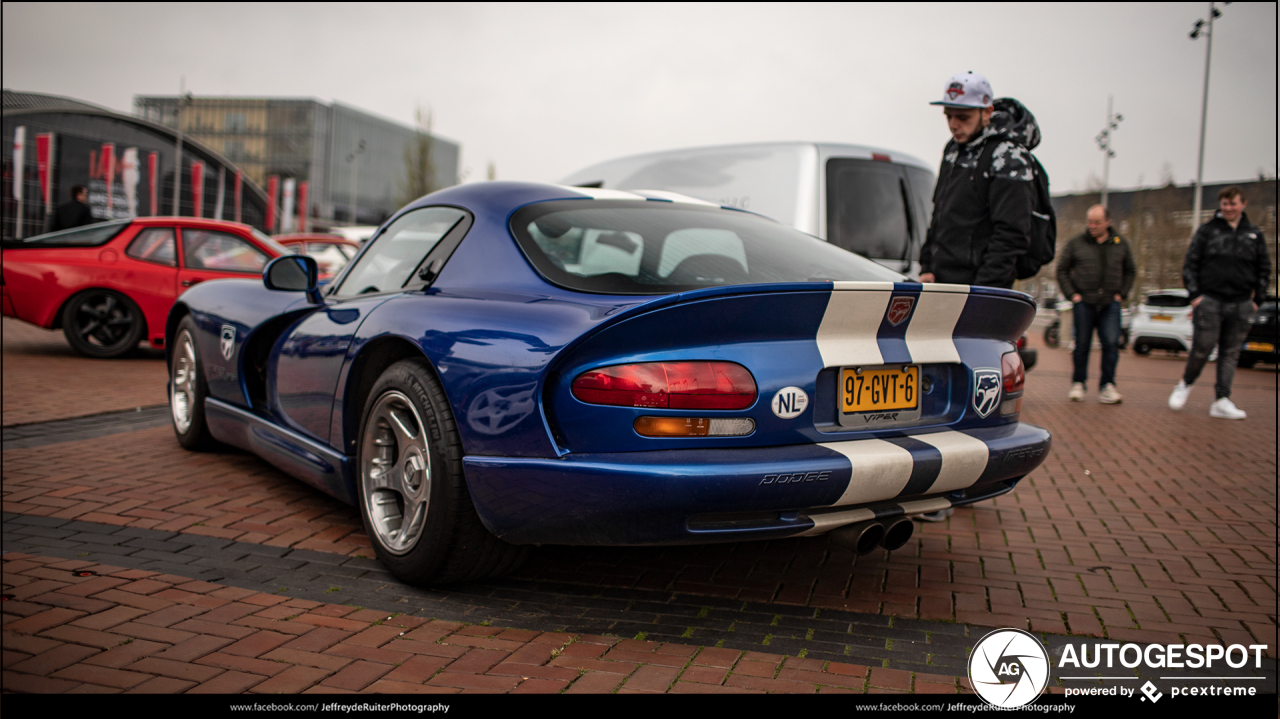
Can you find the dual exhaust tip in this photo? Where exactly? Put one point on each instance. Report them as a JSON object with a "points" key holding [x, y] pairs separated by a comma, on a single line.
{"points": [[865, 537]]}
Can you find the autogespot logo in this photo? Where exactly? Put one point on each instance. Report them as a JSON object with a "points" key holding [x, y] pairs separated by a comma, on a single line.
{"points": [[1009, 668]]}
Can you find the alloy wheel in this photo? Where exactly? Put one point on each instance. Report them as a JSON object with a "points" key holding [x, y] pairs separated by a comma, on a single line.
{"points": [[396, 472], [183, 385], [102, 321]]}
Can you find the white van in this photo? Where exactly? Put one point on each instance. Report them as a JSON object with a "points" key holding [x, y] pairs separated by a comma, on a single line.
{"points": [[871, 201]]}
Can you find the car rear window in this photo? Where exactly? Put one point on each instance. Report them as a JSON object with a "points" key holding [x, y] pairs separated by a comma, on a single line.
{"points": [[87, 236], [1168, 301], [631, 247]]}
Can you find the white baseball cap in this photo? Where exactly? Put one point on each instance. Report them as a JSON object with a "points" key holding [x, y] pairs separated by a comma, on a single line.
{"points": [[968, 89]]}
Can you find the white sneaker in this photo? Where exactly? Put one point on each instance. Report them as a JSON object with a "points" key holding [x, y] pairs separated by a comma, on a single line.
{"points": [[1178, 399], [1224, 409], [1109, 395], [1077, 392]]}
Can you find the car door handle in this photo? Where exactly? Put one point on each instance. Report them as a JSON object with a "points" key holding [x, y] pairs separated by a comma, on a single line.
{"points": [[188, 283]]}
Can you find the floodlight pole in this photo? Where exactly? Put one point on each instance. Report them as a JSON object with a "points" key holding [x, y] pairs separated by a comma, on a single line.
{"points": [[1104, 144], [1204, 114]]}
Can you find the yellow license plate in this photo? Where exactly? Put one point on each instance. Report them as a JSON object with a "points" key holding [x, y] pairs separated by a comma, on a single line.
{"points": [[1259, 347], [877, 390], [1162, 318]]}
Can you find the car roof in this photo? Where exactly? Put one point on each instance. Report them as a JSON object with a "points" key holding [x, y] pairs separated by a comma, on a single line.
{"points": [[505, 196], [313, 237], [825, 149], [191, 222]]}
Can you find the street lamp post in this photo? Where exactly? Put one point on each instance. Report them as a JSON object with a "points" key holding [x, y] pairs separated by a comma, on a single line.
{"points": [[1104, 143], [353, 159], [184, 98], [1206, 27]]}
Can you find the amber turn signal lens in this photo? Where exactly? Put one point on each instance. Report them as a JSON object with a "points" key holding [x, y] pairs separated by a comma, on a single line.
{"points": [[693, 427]]}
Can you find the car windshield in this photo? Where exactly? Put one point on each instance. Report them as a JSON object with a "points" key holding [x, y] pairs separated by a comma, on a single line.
{"points": [[629, 247], [87, 236]]}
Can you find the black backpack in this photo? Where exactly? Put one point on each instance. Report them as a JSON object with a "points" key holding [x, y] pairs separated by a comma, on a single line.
{"points": [[1044, 222]]}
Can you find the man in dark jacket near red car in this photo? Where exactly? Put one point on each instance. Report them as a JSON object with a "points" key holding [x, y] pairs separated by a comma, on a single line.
{"points": [[1226, 274], [981, 209], [1096, 270]]}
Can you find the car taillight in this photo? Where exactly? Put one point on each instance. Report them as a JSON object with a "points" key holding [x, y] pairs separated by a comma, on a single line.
{"points": [[668, 385], [1015, 377]]}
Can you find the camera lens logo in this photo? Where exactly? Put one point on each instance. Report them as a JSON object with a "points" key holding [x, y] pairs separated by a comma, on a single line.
{"points": [[1009, 668]]}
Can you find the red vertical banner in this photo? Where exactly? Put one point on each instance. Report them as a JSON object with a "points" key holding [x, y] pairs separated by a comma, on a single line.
{"points": [[236, 193], [153, 165], [108, 168], [197, 188], [273, 188], [44, 160], [302, 206]]}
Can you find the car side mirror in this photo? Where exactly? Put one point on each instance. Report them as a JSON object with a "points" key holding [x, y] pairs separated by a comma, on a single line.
{"points": [[294, 273]]}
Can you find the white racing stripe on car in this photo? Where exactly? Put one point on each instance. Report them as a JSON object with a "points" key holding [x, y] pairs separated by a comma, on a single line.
{"points": [[964, 459], [847, 335], [880, 470], [599, 193], [929, 336], [823, 523]]}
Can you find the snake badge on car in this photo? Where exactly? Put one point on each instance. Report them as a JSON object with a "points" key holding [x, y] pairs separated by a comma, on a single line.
{"points": [[228, 342], [986, 390], [898, 310]]}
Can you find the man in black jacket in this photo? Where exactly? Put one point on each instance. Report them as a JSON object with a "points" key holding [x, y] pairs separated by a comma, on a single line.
{"points": [[981, 214], [1226, 274], [74, 213], [1096, 271]]}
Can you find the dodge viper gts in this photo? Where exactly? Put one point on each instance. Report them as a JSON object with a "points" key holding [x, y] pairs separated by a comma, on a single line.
{"points": [[508, 364]]}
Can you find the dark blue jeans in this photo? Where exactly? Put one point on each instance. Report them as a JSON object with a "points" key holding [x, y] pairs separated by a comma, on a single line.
{"points": [[1106, 320]]}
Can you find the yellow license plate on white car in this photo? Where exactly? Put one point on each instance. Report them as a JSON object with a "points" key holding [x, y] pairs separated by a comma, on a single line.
{"points": [[878, 390], [1162, 318]]}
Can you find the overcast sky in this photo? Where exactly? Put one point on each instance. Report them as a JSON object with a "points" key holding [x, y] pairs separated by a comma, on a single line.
{"points": [[543, 90]]}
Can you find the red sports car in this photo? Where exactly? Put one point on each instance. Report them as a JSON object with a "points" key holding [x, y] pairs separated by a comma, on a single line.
{"points": [[332, 252], [110, 285]]}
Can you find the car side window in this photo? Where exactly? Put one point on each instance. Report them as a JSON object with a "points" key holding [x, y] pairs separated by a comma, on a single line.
{"points": [[213, 250], [154, 244], [397, 253]]}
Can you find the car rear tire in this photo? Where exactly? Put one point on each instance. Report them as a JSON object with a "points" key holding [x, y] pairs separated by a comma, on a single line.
{"points": [[188, 390], [1142, 348], [1246, 362], [102, 324], [413, 495]]}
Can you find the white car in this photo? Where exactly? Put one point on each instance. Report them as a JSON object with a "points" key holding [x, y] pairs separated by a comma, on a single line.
{"points": [[1162, 322], [868, 200]]}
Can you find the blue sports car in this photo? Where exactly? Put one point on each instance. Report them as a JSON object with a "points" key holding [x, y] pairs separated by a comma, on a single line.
{"points": [[508, 364]]}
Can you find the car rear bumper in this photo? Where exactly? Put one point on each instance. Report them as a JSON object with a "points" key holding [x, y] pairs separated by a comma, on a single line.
{"points": [[709, 495]]}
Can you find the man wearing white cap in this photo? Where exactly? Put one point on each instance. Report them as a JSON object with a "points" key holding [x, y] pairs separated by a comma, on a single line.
{"points": [[982, 205]]}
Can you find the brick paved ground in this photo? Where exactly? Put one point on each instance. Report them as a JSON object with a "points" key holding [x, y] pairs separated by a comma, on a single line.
{"points": [[44, 379], [1143, 525], [77, 626]]}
